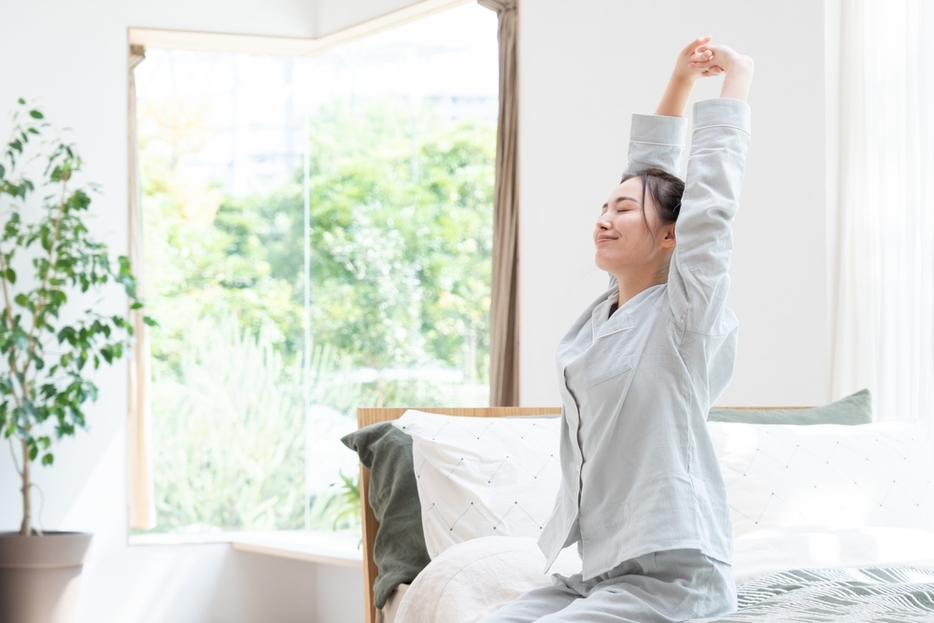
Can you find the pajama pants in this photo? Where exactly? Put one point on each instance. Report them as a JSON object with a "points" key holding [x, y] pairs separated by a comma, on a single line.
{"points": [[664, 587]]}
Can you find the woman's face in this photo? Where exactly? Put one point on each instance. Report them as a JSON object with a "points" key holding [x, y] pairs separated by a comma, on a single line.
{"points": [[621, 237]]}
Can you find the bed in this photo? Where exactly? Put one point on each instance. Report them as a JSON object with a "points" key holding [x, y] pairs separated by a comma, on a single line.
{"points": [[833, 515]]}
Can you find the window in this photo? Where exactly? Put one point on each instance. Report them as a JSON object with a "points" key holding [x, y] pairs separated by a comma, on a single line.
{"points": [[318, 236]]}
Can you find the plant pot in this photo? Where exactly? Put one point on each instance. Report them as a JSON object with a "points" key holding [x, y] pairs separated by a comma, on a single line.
{"points": [[39, 576]]}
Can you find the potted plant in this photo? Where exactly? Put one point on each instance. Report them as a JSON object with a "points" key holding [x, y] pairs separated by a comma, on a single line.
{"points": [[48, 260]]}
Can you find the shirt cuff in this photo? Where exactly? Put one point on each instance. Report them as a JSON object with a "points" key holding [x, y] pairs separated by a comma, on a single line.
{"points": [[722, 111], [658, 130]]}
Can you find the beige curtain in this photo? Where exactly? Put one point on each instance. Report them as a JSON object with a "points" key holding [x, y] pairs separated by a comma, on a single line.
{"points": [[142, 509], [882, 231], [504, 337]]}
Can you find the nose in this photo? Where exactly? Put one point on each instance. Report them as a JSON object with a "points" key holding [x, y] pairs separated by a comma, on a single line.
{"points": [[603, 221]]}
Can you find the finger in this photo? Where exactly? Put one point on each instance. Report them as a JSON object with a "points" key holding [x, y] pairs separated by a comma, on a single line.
{"points": [[702, 64], [702, 54], [693, 45], [701, 57]]}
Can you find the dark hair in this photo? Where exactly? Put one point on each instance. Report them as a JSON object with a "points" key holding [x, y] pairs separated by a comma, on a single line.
{"points": [[665, 190]]}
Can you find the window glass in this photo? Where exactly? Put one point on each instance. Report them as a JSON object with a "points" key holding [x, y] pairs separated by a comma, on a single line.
{"points": [[318, 237]]}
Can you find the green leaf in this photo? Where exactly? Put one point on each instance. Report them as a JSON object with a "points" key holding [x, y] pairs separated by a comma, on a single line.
{"points": [[35, 114], [48, 459], [150, 321], [33, 452], [10, 275]]}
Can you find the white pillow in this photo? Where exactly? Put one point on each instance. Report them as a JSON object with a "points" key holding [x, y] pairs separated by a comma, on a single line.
{"points": [[770, 551], [481, 477], [779, 476]]}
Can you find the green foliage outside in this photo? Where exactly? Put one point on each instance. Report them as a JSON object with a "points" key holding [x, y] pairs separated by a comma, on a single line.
{"points": [[401, 236]]}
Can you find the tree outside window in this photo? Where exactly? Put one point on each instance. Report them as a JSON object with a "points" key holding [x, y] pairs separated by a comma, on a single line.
{"points": [[254, 380]]}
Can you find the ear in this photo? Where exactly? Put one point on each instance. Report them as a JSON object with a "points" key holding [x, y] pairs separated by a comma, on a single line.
{"points": [[666, 236]]}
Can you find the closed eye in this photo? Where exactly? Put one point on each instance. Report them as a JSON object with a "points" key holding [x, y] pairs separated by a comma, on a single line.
{"points": [[621, 204]]}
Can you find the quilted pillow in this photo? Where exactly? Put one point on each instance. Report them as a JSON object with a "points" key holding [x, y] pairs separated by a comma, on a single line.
{"points": [[825, 475], [482, 476]]}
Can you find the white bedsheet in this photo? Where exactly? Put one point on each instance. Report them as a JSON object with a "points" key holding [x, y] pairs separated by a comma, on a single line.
{"points": [[475, 578]]}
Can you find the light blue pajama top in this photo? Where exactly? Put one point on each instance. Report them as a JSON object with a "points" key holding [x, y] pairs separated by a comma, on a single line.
{"points": [[639, 473]]}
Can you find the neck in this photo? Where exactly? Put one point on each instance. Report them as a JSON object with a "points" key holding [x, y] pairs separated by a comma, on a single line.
{"points": [[632, 283]]}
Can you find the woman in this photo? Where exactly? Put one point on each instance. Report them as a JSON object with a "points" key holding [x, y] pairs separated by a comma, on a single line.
{"points": [[641, 493]]}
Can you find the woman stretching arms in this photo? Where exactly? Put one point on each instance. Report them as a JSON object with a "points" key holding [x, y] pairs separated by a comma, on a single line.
{"points": [[641, 492]]}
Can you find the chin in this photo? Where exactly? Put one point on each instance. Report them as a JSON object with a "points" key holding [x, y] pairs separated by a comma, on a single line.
{"points": [[602, 263]]}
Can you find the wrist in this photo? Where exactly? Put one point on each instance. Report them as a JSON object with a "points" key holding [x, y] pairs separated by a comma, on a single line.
{"points": [[683, 80], [676, 95], [736, 84]]}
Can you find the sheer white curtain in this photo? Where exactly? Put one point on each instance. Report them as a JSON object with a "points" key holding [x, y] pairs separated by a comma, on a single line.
{"points": [[882, 231], [141, 506]]}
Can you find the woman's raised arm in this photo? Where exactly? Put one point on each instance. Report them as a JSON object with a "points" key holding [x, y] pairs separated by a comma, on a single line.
{"points": [[658, 140], [699, 281]]}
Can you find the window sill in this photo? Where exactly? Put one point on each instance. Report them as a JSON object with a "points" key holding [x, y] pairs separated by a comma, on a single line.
{"points": [[342, 549]]}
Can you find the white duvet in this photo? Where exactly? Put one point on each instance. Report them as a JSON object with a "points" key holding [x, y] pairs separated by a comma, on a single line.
{"points": [[473, 579]]}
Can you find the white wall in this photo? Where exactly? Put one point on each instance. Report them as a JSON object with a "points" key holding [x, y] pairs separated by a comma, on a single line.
{"points": [[72, 56], [583, 71], [584, 68], [334, 15]]}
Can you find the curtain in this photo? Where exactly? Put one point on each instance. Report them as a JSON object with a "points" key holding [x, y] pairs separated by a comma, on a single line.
{"points": [[504, 338], [882, 230], [141, 503]]}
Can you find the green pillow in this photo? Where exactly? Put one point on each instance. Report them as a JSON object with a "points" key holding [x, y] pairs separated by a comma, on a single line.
{"points": [[852, 410], [399, 550]]}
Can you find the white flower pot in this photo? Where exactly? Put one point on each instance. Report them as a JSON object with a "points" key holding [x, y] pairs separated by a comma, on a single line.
{"points": [[39, 576]]}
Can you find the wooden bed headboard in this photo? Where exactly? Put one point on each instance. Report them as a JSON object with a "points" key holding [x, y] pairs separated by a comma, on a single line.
{"points": [[372, 415]]}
